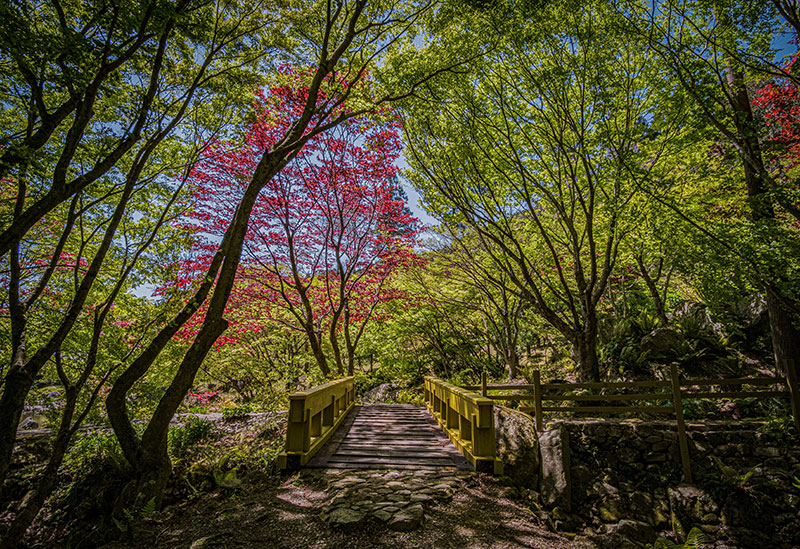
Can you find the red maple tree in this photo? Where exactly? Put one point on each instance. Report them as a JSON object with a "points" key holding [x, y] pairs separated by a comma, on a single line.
{"points": [[325, 234], [778, 102]]}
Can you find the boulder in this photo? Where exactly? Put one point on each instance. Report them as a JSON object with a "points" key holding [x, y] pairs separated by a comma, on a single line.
{"points": [[517, 446], [751, 310], [345, 516], [555, 482], [28, 423], [661, 341], [385, 392], [407, 519], [687, 505], [635, 530]]}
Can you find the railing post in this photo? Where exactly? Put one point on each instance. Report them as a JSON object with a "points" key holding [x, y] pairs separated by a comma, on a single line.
{"points": [[483, 384], [329, 412], [483, 437], [678, 405], [793, 380], [537, 400], [314, 413]]}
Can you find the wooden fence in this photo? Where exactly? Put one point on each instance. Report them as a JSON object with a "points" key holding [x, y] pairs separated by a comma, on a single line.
{"points": [[650, 397], [313, 416]]}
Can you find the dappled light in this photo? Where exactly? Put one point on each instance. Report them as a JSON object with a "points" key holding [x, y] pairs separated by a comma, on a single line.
{"points": [[223, 322]]}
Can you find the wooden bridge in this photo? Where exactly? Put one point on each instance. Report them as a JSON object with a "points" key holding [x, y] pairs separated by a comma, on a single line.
{"points": [[327, 429], [457, 430]]}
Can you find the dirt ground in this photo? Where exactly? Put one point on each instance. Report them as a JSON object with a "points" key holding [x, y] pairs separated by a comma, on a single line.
{"points": [[285, 513]]}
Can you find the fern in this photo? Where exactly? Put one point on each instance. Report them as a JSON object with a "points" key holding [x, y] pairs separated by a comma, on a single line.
{"points": [[664, 543], [695, 539], [149, 509], [227, 479], [195, 491]]}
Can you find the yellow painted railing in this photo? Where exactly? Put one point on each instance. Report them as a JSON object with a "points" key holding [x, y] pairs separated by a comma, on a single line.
{"points": [[314, 415], [468, 419]]}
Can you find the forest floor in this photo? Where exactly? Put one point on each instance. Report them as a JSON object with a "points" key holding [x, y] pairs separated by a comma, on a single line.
{"points": [[291, 512], [224, 494]]}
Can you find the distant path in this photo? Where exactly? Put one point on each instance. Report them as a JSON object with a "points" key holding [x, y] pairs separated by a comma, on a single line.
{"points": [[389, 436]]}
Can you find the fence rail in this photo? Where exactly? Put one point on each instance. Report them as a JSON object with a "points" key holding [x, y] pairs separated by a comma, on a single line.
{"points": [[468, 420], [668, 400], [313, 416]]}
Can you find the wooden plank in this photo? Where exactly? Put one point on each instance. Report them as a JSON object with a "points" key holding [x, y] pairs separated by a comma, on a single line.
{"points": [[682, 442], [500, 386], [393, 432], [734, 394], [396, 466], [392, 440], [380, 445], [733, 381], [377, 460], [389, 448], [614, 409], [376, 453], [633, 396], [537, 402], [603, 385], [792, 381]]}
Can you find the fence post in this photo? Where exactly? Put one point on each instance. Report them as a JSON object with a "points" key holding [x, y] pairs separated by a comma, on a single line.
{"points": [[483, 384], [678, 405], [537, 400], [794, 388]]}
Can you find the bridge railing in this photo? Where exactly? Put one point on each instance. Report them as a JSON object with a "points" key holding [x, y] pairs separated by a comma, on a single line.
{"points": [[468, 420], [313, 416]]}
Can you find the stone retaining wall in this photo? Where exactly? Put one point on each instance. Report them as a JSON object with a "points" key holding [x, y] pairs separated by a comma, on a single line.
{"points": [[624, 477]]}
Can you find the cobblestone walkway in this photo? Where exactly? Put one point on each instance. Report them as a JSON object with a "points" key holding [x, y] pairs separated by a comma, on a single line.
{"points": [[397, 499]]}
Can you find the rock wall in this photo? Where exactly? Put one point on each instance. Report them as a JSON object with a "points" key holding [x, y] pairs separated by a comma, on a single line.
{"points": [[623, 480], [517, 446]]}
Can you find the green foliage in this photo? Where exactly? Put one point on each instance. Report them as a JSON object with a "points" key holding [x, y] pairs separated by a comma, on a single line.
{"points": [[227, 479], [695, 539], [405, 396], [93, 447], [192, 431], [239, 411]]}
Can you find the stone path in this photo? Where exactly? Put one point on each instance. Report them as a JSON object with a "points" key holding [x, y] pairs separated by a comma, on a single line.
{"points": [[397, 499]]}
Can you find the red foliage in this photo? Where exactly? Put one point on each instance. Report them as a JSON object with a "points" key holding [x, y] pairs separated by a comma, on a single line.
{"points": [[779, 102], [325, 234]]}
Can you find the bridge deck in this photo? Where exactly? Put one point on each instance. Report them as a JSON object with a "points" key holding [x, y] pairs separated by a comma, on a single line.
{"points": [[389, 436]]}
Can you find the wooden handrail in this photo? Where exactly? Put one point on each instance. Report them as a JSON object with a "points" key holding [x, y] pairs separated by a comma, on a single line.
{"points": [[313, 416], [468, 420]]}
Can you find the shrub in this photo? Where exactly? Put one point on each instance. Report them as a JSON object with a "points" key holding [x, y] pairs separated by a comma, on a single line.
{"points": [[195, 429]]}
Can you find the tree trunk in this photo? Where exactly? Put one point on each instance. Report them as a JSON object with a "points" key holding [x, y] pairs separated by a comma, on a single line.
{"points": [[785, 335], [650, 282], [16, 386], [34, 500], [584, 352], [319, 354], [512, 362], [783, 318]]}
